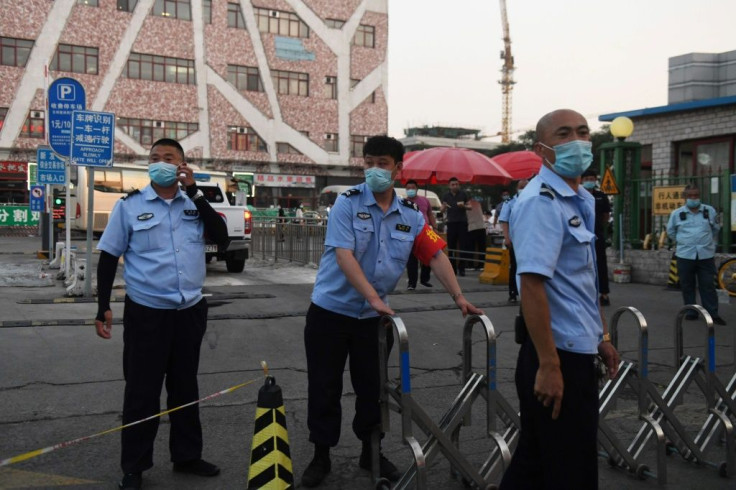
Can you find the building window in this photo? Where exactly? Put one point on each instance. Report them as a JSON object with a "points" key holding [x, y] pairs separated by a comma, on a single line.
{"points": [[291, 82], [33, 127], [245, 78], [356, 145], [331, 87], [91, 3], [281, 23], [287, 149], [207, 11], [127, 5], [244, 139], [146, 131], [173, 9], [354, 82], [331, 142], [365, 36], [14, 52], [235, 16], [75, 59], [334, 23], [160, 69]]}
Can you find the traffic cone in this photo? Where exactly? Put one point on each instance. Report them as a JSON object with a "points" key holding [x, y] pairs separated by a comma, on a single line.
{"points": [[674, 281], [270, 458]]}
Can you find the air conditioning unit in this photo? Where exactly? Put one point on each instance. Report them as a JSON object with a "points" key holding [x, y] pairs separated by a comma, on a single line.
{"points": [[242, 130], [37, 114], [330, 136], [330, 80], [158, 124], [274, 14]]}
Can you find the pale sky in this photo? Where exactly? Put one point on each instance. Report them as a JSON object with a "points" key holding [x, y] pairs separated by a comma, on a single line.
{"points": [[593, 56]]}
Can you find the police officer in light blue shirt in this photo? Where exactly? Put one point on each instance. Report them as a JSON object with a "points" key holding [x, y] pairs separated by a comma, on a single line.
{"points": [[551, 227], [370, 234], [504, 218], [694, 228]]}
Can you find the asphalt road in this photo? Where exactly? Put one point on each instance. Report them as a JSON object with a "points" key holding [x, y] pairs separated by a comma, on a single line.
{"points": [[59, 381]]}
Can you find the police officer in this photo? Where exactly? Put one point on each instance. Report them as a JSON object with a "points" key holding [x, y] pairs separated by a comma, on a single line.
{"points": [[551, 228], [694, 227], [370, 234], [504, 220], [160, 231], [602, 215]]}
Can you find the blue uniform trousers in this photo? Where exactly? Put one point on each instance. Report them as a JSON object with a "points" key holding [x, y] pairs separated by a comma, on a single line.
{"points": [[161, 345], [704, 270]]}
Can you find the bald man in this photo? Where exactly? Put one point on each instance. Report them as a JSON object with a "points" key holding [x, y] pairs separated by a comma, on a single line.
{"points": [[552, 229]]}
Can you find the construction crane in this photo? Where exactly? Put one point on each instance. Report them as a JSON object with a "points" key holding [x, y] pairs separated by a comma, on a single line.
{"points": [[507, 81]]}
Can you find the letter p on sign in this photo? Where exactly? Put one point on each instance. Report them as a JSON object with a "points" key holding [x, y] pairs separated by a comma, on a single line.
{"points": [[66, 92]]}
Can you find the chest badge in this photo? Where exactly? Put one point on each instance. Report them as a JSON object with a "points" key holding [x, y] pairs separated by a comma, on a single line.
{"points": [[145, 216], [404, 228], [191, 212], [364, 215], [574, 221]]}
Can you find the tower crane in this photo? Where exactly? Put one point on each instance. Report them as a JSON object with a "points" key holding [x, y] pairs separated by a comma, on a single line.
{"points": [[507, 79]]}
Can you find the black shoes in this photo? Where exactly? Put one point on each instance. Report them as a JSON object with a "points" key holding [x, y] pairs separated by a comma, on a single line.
{"points": [[410, 287], [718, 320], [131, 481], [462, 273], [605, 301], [317, 470], [426, 284], [387, 468], [197, 467], [513, 300]]}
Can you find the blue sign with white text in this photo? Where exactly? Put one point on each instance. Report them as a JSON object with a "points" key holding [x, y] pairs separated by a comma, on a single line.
{"points": [[66, 95], [93, 138], [37, 198], [51, 168]]}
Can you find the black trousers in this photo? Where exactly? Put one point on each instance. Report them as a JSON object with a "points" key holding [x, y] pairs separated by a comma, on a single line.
{"points": [[412, 267], [161, 345], [457, 239], [329, 339], [513, 288], [556, 454], [477, 244], [602, 262]]}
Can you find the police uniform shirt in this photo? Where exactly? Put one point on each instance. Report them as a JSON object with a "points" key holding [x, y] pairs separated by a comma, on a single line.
{"points": [[551, 227], [163, 248], [506, 210], [695, 233], [381, 243]]}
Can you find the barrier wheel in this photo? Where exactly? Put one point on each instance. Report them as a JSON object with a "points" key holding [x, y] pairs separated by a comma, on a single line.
{"points": [[383, 484], [723, 469], [727, 276], [641, 471]]}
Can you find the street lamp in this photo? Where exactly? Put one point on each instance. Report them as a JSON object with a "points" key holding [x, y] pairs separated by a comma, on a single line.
{"points": [[621, 128]]}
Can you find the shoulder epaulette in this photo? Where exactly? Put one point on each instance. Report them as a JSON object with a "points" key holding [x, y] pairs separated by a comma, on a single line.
{"points": [[545, 191], [409, 204], [351, 192], [131, 193]]}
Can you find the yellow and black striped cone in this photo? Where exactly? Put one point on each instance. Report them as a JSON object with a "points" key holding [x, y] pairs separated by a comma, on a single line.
{"points": [[673, 282], [270, 458]]}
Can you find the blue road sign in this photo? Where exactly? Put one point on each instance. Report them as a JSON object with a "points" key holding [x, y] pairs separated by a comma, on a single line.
{"points": [[37, 198], [93, 138], [50, 167], [65, 96]]}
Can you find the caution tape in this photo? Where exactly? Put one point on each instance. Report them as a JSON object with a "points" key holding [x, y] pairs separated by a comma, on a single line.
{"points": [[39, 452]]}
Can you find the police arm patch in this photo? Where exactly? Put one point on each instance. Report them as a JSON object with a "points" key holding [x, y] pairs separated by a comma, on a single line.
{"points": [[427, 244]]}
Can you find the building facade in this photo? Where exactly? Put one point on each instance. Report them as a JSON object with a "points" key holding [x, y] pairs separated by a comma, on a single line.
{"points": [[284, 89]]}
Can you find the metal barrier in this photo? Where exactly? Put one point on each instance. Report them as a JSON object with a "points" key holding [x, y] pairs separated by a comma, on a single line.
{"points": [[289, 239], [443, 436]]}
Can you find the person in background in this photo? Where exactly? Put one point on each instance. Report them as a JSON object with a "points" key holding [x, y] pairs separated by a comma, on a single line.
{"points": [[454, 204], [426, 209], [476, 234], [505, 197], [602, 215], [488, 219], [694, 228], [504, 220]]}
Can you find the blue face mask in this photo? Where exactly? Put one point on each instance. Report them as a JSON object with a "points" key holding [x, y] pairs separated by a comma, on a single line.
{"points": [[411, 193], [692, 203], [162, 173], [589, 184], [572, 158], [378, 179]]}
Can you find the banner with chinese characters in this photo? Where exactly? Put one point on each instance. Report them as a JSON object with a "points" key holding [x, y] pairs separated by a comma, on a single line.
{"points": [[666, 199], [279, 180], [17, 169], [18, 216]]}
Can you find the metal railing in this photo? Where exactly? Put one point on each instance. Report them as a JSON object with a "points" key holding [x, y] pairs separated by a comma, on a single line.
{"points": [[289, 239]]}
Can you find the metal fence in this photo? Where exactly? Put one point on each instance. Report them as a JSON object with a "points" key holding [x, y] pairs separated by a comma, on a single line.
{"points": [[289, 239]]}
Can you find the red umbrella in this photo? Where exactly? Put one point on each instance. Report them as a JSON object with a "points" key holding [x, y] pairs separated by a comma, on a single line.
{"points": [[519, 164], [438, 165]]}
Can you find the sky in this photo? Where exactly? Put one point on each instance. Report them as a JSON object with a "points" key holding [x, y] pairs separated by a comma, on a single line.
{"points": [[594, 56]]}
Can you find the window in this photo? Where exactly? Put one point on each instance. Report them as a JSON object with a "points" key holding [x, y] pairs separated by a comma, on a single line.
{"points": [[354, 82], [235, 16], [356, 145], [173, 9], [244, 139], [331, 87], [146, 131], [331, 142], [281, 23], [91, 3], [334, 23], [160, 69], [127, 5], [14, 52], [245, 78], [207, 11], [291, 82], [75, 59], [365, 36], [287, 148], [32, 127]]}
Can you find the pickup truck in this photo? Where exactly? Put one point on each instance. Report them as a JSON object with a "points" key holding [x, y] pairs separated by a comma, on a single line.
{"points": [[239, 225]]}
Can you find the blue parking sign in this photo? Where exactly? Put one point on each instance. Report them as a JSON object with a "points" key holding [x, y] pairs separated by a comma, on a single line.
{"points": [[93, 138], [65, 96]]}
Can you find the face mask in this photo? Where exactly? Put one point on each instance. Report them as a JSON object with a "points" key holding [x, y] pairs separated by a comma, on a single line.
{"points": [[571, 158], [692, 203], [162, 173], [411, 193], [506, 197], [588, 184], [378, 179]]}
